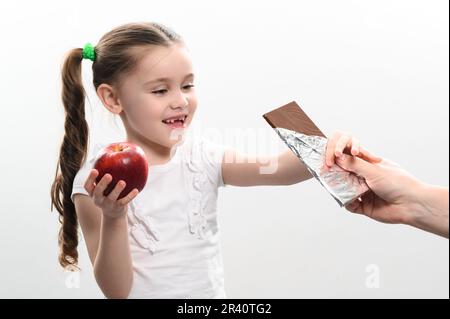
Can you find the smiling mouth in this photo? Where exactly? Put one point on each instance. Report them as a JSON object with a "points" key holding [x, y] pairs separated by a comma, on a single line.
{"points": [[176, 123]]}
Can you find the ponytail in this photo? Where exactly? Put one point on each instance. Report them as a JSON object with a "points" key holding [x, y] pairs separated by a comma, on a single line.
{"points": [[71, 157]]}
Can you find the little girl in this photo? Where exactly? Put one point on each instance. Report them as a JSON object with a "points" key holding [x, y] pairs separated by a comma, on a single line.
{"points": [[164, 241]]}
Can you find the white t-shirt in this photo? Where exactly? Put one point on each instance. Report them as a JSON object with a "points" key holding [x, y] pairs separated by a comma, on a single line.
{"points": [[173, 227]]}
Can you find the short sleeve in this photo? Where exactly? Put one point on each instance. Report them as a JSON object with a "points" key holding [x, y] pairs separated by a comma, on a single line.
{"points": [[83, 172], [213, 154]]}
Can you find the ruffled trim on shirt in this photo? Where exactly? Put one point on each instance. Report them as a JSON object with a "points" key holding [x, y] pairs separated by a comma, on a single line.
{"points": [[197, 183], [142, 227]]}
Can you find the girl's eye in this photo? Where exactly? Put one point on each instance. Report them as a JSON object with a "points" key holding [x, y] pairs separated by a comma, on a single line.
{"points": [[160, 91], [187, 87]]}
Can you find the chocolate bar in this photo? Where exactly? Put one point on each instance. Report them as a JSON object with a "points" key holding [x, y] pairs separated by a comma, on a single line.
{"points": [[308, 143], [292, 117]]}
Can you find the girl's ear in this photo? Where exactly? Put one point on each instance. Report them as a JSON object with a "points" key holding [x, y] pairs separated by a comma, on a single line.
{"points": [[109, 98]]}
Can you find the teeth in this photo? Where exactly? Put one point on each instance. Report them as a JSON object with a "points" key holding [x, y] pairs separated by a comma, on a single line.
{"points": [[173, 120]]}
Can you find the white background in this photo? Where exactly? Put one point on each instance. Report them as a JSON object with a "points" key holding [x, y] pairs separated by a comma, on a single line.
{"points": [[377, 69]]}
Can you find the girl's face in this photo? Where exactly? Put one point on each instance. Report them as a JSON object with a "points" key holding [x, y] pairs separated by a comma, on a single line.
{"points": [[161, 87]]}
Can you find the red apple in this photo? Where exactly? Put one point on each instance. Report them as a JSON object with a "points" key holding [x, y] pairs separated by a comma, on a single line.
{"points": [[123, 161]]}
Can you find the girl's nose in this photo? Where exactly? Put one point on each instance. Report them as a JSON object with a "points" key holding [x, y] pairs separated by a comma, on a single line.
{"points": [[180, 101]]}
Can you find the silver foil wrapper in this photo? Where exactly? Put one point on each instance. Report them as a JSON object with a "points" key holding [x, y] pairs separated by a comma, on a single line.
{"points": [[344, 186]]}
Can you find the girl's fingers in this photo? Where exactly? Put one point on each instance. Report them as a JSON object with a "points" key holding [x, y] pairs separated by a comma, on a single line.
{"points": [[130, 196], [89, 184], [342, 143], [355, 146], [101, 186], [329, 154], [117, 190]]}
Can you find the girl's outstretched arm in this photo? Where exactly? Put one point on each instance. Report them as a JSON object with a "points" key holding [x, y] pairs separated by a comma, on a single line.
{"points": [[243, 170], [285, 169]]}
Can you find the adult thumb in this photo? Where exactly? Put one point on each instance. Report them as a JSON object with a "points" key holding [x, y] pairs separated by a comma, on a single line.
{"points": [[357, 165]]}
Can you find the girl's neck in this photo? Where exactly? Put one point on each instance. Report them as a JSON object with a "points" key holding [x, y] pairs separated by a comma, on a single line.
{"points": [[156, 154]]}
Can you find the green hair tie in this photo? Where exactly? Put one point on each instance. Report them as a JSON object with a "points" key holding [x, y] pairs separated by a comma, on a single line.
{"points": [[89, 52]]}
